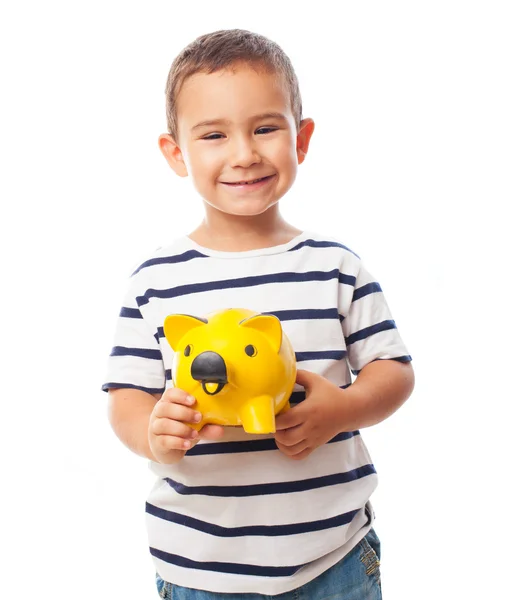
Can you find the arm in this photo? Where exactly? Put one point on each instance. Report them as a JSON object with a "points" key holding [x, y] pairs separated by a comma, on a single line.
{"points": [[379, 390], [129, 414], [155, 426]]}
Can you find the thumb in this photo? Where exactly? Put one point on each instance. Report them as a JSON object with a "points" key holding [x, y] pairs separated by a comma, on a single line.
{"points": [[304, 378]]}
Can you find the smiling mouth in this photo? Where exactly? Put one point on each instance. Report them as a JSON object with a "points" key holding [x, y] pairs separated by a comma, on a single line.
{"points": [[212, 387], [250, 182]]}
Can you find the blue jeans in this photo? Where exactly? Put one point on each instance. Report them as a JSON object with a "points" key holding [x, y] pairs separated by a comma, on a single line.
{"points": [[355, 577]]}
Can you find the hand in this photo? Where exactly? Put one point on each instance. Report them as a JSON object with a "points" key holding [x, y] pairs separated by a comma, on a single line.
{"points": [[169, 435], [314, 421]]}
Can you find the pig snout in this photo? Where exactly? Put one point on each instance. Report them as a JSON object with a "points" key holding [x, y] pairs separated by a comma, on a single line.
{"points": [[210, 369]]}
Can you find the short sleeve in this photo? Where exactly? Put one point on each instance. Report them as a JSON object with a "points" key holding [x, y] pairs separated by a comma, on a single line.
{"points": [[369, 329], [135, 360]]}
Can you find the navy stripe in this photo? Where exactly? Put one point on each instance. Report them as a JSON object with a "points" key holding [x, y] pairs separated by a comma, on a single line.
{"points": [[168, 374], [365, 290], [140, 352], [170, 260], [297, 397], [211, 448], [260, 489], [222, 567], [232, 447], [310, 313], [368, 331], [347, 279], [111, 385], [401, 359], [258, 530], [321, 355], [241, 282], [130, 313], [316, 244]]}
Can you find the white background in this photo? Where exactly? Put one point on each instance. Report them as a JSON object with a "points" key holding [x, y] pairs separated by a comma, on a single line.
{"points": [[414, 165]]}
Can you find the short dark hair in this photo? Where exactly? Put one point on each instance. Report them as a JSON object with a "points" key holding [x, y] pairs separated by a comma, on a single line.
{"points": [[223, 49]]}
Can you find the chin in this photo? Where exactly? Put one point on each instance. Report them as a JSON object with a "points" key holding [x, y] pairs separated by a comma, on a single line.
{"points": [[250, 212], [247, 209]]}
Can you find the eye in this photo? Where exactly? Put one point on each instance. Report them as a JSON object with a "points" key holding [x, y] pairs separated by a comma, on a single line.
{"points": [[188, 349], [264, 130], [213, 136], [251, 350]]}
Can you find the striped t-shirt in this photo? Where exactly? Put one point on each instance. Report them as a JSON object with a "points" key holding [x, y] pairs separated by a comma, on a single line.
{"points": [[238, 515]]}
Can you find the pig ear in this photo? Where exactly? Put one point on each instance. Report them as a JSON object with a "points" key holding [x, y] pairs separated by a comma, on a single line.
{"points": [[269, 325], [177, 326]]}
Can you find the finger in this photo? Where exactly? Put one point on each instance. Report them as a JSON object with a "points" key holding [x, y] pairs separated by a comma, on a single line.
{"points": [[211, 432], [290, 437], [304, 378], [178, 396], [174, 428], [292, 451], [177, 412], [172, 442], [291, 418]]}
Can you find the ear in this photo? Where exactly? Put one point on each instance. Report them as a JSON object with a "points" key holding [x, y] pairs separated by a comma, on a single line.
{"points": [[177, 326], [303, 139], [173, 155], [269, 325]]}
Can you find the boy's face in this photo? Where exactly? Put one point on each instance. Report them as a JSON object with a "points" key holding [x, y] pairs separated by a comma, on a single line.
{"points": [[237, 138]]}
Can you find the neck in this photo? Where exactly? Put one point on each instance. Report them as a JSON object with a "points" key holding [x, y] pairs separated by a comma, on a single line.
{"points": [[235, 233]]}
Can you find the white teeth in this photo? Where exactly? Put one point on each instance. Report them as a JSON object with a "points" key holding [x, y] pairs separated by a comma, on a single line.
{"points": [[248, 182]]}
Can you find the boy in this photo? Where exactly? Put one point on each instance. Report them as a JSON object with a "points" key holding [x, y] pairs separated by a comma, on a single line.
{"points": [[231, 513]]}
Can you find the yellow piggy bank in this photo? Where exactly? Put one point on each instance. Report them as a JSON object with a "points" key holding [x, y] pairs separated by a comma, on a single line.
{"points": [[238, 364]]}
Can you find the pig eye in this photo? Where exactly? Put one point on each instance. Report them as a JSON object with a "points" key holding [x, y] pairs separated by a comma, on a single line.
{"points": [[188, 349], [251, 350]]}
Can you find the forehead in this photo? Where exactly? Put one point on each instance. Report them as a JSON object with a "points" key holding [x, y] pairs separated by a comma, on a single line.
{"points": [[234, 94]]}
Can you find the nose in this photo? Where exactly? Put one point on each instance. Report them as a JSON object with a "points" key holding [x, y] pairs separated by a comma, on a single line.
{"points": [[209, 367], [244, 152]]}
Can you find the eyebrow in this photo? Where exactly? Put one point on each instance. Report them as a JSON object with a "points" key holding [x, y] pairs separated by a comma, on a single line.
{"points": [[212, 122]]}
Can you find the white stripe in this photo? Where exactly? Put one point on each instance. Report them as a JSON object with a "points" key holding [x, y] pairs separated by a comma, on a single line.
{"points": [[228, 583], [268, 466], [255, 550], [280, 509]]}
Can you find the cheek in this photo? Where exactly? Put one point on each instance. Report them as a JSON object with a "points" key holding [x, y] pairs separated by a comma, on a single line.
{"points": [[288, 165], [201, 162], [211, 165], [285, 155]]}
